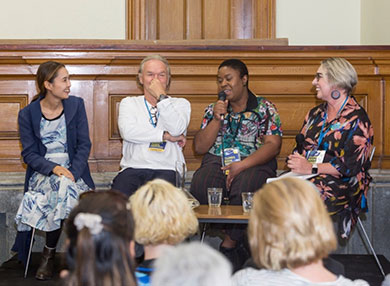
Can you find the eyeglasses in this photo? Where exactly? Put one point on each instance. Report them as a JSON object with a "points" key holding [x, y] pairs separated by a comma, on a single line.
{"points": [[318, 75]]}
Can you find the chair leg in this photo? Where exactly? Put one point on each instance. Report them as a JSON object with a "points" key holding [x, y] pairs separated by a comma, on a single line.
{"points": [[29, 253], [370, 245], [203, 233]]}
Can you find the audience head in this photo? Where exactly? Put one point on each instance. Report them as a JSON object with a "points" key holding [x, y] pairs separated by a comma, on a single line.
{"points": [[192, 264], [237, 65], [154, 57], [289, 225], [47, 71], [340, 73], [162, 214], [100, 231]]}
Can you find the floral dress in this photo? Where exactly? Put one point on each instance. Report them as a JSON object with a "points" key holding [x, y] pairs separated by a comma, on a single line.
{"points": [[348, 142], [49, 199]]}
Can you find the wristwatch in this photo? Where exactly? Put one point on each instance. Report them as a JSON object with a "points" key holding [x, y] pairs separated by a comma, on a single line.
{"points": [[162, 97], [314, 168]]}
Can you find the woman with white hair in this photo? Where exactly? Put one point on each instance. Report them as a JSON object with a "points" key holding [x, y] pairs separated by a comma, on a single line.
{"points": [[192, 264]]}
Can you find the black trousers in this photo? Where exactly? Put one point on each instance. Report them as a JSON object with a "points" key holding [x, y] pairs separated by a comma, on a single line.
{"points": [[130, 179], [250, 180]]}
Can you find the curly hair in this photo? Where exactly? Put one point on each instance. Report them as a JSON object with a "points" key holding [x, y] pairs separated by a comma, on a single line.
{"points": [[162, 214]]}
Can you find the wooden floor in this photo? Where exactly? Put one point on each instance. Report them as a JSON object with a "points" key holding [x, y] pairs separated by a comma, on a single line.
{"points": [[356, 267]]}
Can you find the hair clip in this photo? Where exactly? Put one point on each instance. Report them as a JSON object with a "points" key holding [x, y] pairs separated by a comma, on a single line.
{"points": [[91, 221]]}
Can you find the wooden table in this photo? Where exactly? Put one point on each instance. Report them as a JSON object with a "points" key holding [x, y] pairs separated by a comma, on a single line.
{"points": [[223, 214]]}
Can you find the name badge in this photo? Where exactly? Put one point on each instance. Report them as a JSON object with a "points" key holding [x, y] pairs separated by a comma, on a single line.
{"points": [[229, 156], [157, 146], [316, 156]]}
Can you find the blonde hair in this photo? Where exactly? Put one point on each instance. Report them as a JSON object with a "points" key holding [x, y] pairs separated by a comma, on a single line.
{"points": [[289, 225], [162, 214], [340, 73]]}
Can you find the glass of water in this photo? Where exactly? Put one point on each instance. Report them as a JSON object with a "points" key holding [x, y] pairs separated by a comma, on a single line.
{"points": [[214, 197], [247, 201]]}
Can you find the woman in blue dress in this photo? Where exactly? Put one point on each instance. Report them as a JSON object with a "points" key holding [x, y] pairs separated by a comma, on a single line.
{"points": [[56, 145]]}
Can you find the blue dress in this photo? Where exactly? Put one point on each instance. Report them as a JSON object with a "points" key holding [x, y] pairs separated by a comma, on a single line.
{"points": [[49, 199]]}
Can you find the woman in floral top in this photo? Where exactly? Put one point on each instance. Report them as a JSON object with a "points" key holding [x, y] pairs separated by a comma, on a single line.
{"points": [[340, 129]]}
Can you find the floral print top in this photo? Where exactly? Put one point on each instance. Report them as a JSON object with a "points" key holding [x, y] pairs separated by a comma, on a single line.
{"points": [[348, 143], [245, 130]]}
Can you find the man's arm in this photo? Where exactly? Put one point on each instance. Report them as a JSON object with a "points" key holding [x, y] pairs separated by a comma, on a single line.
{"points": [[134, 125], [174, 115]]}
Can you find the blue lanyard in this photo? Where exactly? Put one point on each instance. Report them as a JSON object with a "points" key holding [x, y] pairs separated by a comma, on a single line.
{"points": [[150, 115], [322, 133]]}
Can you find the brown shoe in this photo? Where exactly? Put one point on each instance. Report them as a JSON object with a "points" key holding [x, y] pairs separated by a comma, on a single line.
{"points": [[45, 270]]}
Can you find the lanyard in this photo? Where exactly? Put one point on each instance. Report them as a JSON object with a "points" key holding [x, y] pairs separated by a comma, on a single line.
{"points": [[322, 133], [150, 115], [235, 133]]}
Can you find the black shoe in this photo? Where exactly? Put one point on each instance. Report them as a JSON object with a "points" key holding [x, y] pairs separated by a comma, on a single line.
{"points": [[237, 255], [45, 270]]}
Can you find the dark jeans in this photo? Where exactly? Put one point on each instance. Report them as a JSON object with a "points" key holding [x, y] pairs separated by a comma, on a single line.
{"points": [[130, 179]]}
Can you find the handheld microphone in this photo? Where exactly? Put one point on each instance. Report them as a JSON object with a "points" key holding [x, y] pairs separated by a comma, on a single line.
{"points": [[300, 139], [222, 96]]}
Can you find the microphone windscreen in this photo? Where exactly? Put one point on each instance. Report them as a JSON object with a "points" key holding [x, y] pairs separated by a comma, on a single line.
{"points": [[221, 95], [300, 139]]}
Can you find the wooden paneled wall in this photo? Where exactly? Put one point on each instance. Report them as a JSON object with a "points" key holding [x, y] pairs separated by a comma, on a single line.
{"points": [[200, 19], [104, 74]]}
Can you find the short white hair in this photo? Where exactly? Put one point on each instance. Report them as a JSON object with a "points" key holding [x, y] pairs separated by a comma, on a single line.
{"points": [[191, 264]]}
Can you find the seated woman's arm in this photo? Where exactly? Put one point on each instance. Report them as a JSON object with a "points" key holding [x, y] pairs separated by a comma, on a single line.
{"points": [[300, 165], [269, 150], [349, 162]]}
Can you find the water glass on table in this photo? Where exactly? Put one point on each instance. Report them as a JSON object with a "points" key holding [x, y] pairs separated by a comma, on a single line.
{"points": [[214, 197], [247, 201]]}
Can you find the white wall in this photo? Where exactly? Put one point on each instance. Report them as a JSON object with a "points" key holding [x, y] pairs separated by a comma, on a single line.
{"points": [[319, 22], [62, 19], [303, 22], [375, 19]]}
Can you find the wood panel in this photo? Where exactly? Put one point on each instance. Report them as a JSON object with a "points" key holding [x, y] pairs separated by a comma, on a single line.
{"points": [[103, 73], [200, 19], [9, 108], [172, 19]]}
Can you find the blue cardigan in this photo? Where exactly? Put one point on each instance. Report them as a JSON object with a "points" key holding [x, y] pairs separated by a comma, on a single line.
{"points": [[34, 151], [77, 133]]}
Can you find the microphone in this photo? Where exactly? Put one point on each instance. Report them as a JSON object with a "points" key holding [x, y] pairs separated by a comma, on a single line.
{"points": [[222, 96], [300, 139]]}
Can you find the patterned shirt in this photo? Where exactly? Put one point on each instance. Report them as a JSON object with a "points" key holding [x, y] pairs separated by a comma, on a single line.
{"points": [[245, 130], [348, 140]]}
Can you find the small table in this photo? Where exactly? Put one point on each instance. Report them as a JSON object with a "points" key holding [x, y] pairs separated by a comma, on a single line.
{"points": [[223, 214]]}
